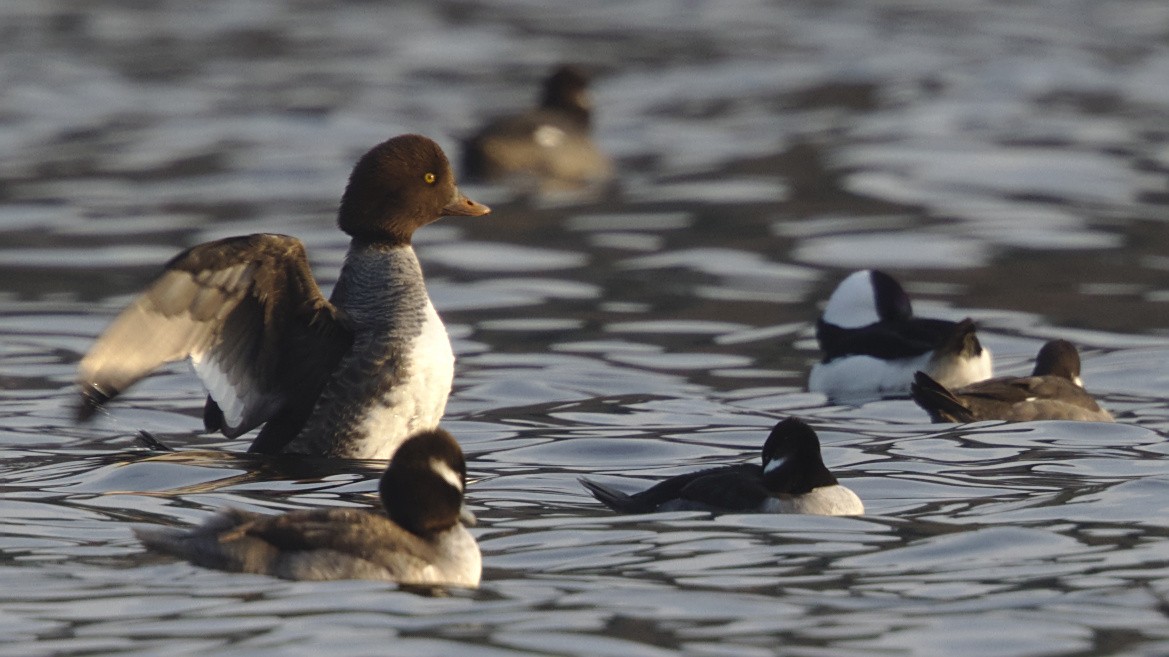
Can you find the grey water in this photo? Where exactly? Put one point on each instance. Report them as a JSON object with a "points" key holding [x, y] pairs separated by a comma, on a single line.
{"points": [[1006, 161]]}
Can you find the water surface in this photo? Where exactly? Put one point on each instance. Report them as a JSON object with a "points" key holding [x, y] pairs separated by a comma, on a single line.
{"points": [[1005, 161]]}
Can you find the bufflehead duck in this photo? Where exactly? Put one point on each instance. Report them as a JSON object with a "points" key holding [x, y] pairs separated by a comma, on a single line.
{"points": [[549, 144], [422, 541], [350, 376], [872, 343], [791, 479], [1054, 391]]}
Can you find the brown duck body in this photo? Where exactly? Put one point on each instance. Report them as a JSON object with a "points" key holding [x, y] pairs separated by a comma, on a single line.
{"points": [[422, 541], [348, 376], [1052, 392], [550, 144]]}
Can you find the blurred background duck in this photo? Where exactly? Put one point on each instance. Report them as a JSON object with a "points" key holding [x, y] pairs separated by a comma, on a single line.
{"points": [[548, 147]]}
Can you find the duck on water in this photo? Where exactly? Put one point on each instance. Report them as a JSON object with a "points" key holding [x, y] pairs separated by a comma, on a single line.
{"points": [[873, 343], [791, 478], [349, 376], [421, 539]]}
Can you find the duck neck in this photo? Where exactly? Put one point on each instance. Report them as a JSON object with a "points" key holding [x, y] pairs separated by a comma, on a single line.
{"points": [[381, 284]]}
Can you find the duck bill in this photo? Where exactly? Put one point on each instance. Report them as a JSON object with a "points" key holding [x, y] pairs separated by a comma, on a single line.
{"points": [[461, 206]]}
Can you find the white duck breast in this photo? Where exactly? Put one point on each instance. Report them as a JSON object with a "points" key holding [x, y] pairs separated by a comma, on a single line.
{"points": [[397, 378], [825, 501], [421, 403]]}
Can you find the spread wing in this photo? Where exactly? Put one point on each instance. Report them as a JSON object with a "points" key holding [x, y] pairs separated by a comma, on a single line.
{"points": [[246, 311]]}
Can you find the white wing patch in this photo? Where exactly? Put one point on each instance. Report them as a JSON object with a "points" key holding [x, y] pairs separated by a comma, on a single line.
{"points": [[229, 400], [774, 464], [549, 136]]}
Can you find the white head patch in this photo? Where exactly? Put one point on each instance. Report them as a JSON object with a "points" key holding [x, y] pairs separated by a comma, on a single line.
{"points": [[444, 470], [774, 464], [852, 304]]}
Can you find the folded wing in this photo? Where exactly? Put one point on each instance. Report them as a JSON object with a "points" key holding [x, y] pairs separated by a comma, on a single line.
{"points": [[317, 544], [369, 536], [887, 339]]}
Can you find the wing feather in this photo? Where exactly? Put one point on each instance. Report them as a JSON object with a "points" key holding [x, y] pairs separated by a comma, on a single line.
{"points": [[246, 311], [887, 339]]}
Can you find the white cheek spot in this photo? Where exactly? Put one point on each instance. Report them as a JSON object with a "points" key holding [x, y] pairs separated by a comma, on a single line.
{"points": [[1078, 381], [548, 136], [852, 304], [444, 470], [774, 464]]}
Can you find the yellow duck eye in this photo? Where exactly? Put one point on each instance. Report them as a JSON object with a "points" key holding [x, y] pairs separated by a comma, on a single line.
{"points": [[429, 178]]}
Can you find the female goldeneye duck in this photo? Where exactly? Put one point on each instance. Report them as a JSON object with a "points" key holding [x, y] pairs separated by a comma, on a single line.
{"points": [[549, 144], [349, 376], [791, 479], [1054, 391], [422, 541], [872, 343]]}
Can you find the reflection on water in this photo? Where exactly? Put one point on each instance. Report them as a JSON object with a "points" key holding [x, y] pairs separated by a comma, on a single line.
{"points": [[1004, 160]]}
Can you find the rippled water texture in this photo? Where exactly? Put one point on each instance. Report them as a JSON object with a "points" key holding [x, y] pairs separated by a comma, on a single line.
{"points": [[1005, 160]]}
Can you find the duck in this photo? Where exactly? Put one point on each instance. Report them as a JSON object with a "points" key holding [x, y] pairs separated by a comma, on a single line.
{"points": [[872, 343], [792, 478], [549, 144], [348, 376], [1054, 391], [422, 540]]}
